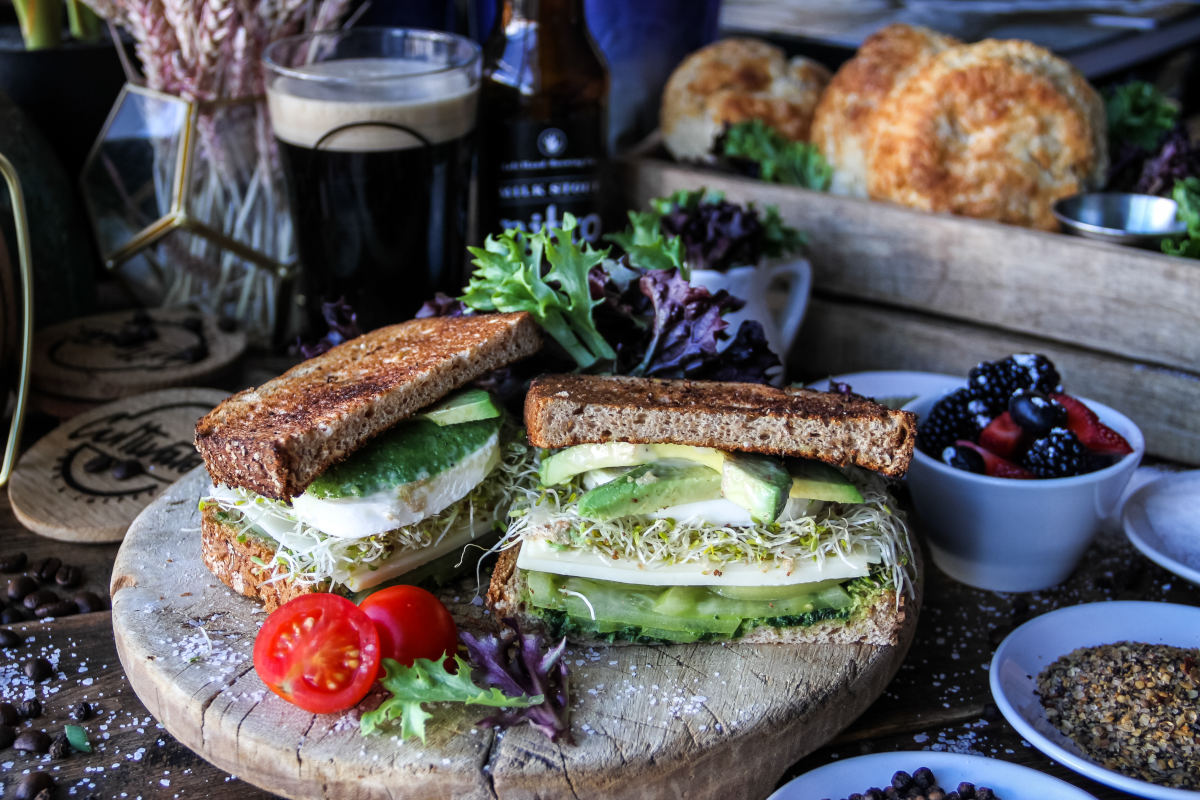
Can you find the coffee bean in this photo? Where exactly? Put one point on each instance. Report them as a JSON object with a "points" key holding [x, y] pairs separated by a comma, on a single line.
{"points": [[129, 468], [20, 586], [68, 576], [97, 463], [60, 747], [60, 608], [88, 602], [31, 708], [8, 714], [32, 741], [13, 614], [48, 568], [38, 669], [9, 639], [39, 598], [81, 711], [7, 736], [13, 562], [34, 786]]}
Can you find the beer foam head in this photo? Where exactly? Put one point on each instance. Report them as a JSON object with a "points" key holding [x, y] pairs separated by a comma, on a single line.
{"points": [[357, 104]]}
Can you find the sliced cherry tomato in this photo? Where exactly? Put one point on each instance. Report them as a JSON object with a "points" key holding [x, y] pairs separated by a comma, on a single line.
{"points": [[319, 652], [412, 624]]}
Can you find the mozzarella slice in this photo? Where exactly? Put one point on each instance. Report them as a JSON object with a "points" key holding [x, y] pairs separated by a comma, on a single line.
{"points": [[538, 555], [359, 517]]}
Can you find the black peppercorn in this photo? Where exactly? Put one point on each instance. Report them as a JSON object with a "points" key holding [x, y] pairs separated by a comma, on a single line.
{"points": [[31, 708], [38, 669]]}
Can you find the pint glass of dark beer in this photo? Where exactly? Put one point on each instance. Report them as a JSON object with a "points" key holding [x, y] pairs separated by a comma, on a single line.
{"points": [[375, 128]]}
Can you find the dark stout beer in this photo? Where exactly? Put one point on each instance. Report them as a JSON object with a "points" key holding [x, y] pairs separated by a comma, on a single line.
{"points": [[378, 176]]}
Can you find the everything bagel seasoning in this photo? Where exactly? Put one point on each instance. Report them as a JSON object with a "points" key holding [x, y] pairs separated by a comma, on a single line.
{"points": [[1130, 706]]}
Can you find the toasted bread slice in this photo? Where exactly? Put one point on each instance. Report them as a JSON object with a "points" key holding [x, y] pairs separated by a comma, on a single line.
{"points": [[879, 626], [566, 410], [274, 440], [236, 558]]}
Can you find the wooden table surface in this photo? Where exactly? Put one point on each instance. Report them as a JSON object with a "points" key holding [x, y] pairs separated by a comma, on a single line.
{"points": [[939, 700]]}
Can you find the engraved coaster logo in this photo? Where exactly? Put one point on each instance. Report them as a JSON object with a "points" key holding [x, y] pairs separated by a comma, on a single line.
{"points": [[552, 142], [127, 455]]}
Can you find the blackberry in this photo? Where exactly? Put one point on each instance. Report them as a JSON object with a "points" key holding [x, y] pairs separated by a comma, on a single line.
{"points": [[994, 382], [1058, 454], [948, 420]]}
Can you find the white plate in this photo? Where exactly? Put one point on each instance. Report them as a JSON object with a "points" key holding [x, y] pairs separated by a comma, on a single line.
{"points": [[895, 384], [1160, 519], [1009, 781], [1035, 645]]}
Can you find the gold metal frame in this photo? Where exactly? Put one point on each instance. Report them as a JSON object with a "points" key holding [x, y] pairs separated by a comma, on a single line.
{"points": [[9, 172]]}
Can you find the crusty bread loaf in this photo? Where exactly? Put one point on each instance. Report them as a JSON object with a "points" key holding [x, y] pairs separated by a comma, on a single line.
{"points": [[274, 440], [566, 410], [734, 80], [841, 125], [997, 130], [237, 563], [880, 626]]}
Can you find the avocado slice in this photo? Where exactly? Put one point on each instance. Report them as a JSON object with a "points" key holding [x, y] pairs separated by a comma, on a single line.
{"points": [[818, 481], [469, 405], [758, 483], [569, 462], [648, 488]]}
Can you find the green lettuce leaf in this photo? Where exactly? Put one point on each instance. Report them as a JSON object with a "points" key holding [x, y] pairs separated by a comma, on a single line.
{"points": [[775, 157], [1139, 114], [645, 244], [429, 681], [1187, 194]]}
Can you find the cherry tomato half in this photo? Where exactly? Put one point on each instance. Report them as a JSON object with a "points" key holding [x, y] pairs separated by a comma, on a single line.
{"points": [[318, 651], [412, 624]]}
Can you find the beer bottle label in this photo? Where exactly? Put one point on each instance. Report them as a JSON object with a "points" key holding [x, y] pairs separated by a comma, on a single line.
{"points": [[548, 169]]}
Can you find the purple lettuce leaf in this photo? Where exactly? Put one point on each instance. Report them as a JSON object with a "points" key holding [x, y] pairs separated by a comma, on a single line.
{"points": [[519, 663], [343, 326], [747, 359], [443, 305], [687, 324], [1176, 158]]}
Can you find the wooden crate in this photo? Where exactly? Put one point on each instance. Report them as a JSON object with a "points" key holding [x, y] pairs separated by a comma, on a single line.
{"points": [[895, 288]]}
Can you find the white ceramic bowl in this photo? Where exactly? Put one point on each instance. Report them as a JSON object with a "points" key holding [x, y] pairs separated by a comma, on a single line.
{"points": [[1012, 535]]}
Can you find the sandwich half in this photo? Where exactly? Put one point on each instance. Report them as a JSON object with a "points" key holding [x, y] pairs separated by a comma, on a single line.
{"points": [[363, 464], [683, 511]]}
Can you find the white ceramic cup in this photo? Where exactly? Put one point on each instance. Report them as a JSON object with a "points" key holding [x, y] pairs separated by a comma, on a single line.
{"points": [[751, 284], [1012, 535]]}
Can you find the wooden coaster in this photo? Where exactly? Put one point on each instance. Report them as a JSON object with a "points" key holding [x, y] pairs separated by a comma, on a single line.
{"points": [[126, 353], [89, 478]]}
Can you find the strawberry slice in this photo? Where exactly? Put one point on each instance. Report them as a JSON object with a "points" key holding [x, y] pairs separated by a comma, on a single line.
{"points": [[1089, 430], [1002, 436], [994, 465]]}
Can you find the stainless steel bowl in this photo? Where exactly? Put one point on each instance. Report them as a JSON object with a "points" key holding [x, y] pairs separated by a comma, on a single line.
{"points": [[1137, 219]]}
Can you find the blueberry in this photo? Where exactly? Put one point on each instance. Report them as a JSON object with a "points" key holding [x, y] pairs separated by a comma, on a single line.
{"points": [[963, 458], [1035, 412]]}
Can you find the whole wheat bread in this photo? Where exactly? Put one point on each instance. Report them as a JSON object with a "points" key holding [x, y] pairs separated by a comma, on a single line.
{"points": [[275, 439], [566, 410], [236, 560], [879, 626]]}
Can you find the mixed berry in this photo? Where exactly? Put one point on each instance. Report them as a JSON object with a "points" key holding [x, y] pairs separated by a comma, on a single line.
{"points": [[1012, 420]]}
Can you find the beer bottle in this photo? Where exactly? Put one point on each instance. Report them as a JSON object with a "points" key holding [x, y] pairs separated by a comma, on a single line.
{"points": [[543, 121]]}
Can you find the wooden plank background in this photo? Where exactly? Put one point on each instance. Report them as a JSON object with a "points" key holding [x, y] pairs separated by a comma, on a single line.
{"points": [[895, 288]]}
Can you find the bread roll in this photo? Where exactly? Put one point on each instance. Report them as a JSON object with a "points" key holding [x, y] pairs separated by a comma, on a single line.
{"points": [[841, 125], [997, 130], [734, 80]]}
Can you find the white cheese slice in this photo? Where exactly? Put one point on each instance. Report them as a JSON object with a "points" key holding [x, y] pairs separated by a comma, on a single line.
{"points": [[359, 517], [538, 555], [458, 537]]}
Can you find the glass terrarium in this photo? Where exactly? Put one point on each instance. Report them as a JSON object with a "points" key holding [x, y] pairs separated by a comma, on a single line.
{"points": [[188, 207]]}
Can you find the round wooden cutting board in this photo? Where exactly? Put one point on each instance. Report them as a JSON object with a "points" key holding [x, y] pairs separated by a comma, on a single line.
{"points": [[86, 480], [696, 721], [124, 353]]}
